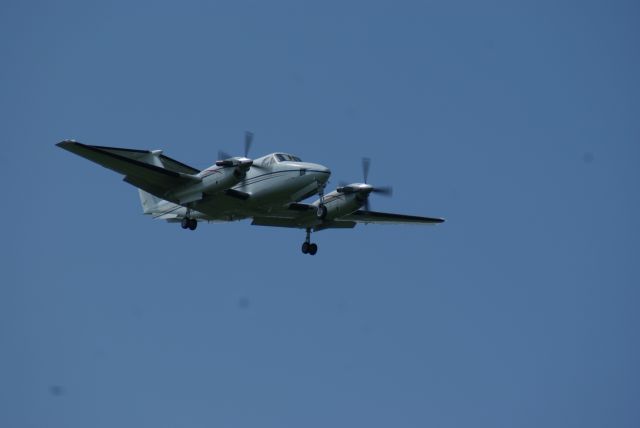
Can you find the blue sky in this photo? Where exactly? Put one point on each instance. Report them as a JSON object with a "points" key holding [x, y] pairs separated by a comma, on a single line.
{"points": [[516, 121]]}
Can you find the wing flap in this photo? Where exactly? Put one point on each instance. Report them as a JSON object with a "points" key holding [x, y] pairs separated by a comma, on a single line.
{"points": [[301, 207], [276, 222], [299, 223]]}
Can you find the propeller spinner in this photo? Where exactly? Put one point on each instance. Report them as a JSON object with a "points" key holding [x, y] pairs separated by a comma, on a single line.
{"points": [[365, 189], [242, 164]]}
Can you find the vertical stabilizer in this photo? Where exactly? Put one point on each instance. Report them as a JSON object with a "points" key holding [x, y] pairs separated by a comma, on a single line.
{"points": [[149, 202]]}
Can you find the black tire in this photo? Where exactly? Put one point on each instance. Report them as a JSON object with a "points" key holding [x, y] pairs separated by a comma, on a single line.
{"points": [[305, 248], [185, 223], [313, 249], [321, 212], [193, 224]]}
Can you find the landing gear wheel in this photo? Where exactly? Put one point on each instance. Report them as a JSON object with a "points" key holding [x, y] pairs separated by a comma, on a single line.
{"points": [[193, 223], [185, 223], [321, 213], [307, 246]]}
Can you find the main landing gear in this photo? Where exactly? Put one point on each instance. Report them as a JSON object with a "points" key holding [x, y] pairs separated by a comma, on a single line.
{"points": [[321, 212], [307, 246], [189, 223]]}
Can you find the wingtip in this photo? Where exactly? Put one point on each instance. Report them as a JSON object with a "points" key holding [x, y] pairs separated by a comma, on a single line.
{"points": [[66, 143]]}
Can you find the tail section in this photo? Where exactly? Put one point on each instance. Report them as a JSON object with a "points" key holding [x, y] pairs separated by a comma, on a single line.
{"points": [[150, 203]]}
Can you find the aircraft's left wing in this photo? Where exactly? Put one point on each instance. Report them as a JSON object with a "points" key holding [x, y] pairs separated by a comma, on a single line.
{"points": [[362, 216], [150, 171]]}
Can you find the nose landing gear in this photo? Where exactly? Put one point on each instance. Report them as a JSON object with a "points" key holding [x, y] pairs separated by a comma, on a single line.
{"points": [[308, 247]]}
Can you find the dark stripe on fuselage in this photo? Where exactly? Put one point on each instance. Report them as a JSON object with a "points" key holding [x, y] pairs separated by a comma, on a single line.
{"points": [[259, 178], [329, 199], [209, 172]]}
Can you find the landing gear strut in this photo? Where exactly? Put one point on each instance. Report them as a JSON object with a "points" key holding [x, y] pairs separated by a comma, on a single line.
{"points": [[307, 246], [321, 212]]}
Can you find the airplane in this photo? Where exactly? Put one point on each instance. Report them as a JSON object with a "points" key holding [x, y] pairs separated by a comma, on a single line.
{"points": [[269, 190]]}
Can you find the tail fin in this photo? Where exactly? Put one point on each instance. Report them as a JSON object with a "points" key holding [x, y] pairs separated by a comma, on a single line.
{"points": [[149, 202]]}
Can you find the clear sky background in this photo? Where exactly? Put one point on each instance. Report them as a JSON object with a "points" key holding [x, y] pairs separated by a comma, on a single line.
{"points": [[516, 121]]}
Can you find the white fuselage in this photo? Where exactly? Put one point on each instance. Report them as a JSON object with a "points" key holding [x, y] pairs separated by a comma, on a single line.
{"points": [[270, 185]]}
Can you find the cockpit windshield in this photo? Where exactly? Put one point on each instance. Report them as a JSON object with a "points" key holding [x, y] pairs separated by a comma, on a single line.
{"points": [[283, 157]]}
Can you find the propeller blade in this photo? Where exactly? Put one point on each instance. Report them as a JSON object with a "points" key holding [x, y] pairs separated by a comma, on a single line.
{"points": [[385, 190], [367, 205], [223, 155], [366, 164], [248, 139]]}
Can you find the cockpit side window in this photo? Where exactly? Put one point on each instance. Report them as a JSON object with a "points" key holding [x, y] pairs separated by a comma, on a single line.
{"points": [[283, 157]]}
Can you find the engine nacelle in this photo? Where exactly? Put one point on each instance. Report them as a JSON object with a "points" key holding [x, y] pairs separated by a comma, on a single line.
{"points": [[212, 180], [339, 204]]}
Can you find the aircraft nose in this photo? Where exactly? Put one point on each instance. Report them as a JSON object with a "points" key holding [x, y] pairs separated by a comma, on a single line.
{"points": [[321, 172], [324, 169]]}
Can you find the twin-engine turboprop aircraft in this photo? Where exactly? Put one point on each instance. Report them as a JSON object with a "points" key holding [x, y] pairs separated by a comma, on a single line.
{"points": [[269, 190]]}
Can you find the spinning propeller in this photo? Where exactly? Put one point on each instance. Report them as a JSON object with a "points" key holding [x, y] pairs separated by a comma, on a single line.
{"points": [[248, 139], [224, 156], [242, 164], [364, 189]]}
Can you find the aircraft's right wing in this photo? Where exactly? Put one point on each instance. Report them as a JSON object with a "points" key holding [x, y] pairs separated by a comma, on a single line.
{"points": [[150, 171], [362, 216], [305, 218]]}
